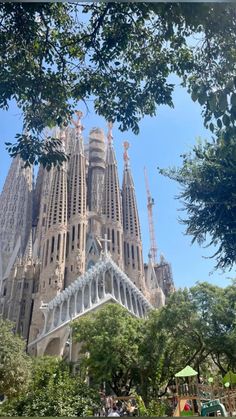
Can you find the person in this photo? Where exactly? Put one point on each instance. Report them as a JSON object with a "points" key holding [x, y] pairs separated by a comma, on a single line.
{"points": [[114, 412]]}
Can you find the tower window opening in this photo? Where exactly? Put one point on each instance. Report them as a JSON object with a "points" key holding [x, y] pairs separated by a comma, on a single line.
{"points": [[46, 257], [83, 237], [118, 241], [63, 246], [73, 233], [125, 259], [138, 258], [52, 246], [58, 242], [78, 235], [67, 243], [132, 251]]}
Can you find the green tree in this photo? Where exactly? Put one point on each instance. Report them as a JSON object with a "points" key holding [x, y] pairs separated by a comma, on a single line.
{"points": [[172, 339], [15, 365], [217, 310], [53, 391], [197, 328], [208, 193], [118, 54], [111, 336]]}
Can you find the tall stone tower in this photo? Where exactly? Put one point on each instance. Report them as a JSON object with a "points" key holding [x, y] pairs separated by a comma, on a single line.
{"points": [[15, 215], [51, 280], [133, 255], [77, 215], [112, 209], [96, 170]]}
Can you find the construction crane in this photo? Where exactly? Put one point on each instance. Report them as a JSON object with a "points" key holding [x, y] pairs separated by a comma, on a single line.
{"points": [[150, 203]]}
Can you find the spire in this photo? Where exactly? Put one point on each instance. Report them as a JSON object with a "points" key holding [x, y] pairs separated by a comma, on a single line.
{"points": [[127, 178], [130, 209], [132, 236], [78, 132], [112, 209], [77, 204], [109, 134], [112, 199], [110, 158], [63, 139], [125, 154], [96, 169], [15, 211]]}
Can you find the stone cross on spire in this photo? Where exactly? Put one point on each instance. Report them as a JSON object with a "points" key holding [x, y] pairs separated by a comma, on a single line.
{"points": [[106, 241], [125, 154], [78, 125], [109, 134]]}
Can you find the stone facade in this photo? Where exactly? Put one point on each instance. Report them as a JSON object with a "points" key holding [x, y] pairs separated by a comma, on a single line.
{"points": [[54, 234]]}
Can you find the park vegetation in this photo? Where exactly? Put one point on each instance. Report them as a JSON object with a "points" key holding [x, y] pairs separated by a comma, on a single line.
{"points": [[131, 355]]}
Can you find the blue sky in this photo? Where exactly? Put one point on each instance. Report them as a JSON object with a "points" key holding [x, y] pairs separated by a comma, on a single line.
{"points": [[160, 143]]}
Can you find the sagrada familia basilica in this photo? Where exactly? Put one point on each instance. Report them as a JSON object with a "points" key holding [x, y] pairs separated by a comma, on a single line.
{"points": [[71, 242]]}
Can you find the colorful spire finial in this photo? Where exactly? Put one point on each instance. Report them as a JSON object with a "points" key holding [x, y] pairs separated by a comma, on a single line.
{"points": [[63, 134], [109, 134], [125, 155], [63, 139], [78, 125]]}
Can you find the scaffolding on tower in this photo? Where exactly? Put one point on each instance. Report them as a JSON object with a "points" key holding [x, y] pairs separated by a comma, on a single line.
{"points": [[150, 204]]}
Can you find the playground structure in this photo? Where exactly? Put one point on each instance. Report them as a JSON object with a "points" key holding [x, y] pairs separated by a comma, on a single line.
{"points": [[204, 399], [192, 398], [214, 406]]}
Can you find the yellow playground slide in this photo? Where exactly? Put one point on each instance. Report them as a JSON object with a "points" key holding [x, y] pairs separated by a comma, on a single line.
{"points": [[181, 404]]}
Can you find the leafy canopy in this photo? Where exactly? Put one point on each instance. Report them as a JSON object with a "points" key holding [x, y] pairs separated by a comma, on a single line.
{"points": [[196, 327], [120, 55], [111, 337], [15, 365], [53, 391], [208, 193]]}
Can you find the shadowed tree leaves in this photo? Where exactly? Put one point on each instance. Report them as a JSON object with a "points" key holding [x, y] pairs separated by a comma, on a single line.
{"points": [[111, 336], [196, 327], [119, 54], [14, 363], [53, 391], [208, 193]]}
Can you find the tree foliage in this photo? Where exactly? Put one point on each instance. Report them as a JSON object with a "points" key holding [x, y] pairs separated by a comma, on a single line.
{"points": [[111, 337], [119, 54], [196, 327], [53, 391], [14, 363], [208, 182]]}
